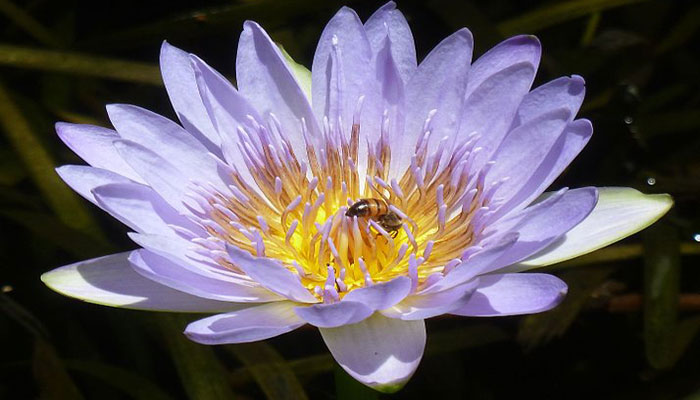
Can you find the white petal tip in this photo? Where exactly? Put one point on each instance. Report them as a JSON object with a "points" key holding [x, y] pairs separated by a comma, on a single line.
{"points": [[619, 213]]}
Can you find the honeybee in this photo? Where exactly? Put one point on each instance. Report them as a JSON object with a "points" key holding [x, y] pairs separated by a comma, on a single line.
{"points": [[379, 211]]}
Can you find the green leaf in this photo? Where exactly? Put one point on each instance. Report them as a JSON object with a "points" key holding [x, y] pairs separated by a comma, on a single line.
{"points": [[40, 164], [11, 171], [134, 385], [201, 373], [270, 370], [50, 374], [205, 21], [557, 13], [681, 32], [79, 64], [25, 21], [661, 287], [591, 29], [56, 232]]}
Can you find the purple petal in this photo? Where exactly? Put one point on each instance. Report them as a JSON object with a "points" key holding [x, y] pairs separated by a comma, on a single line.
{"points": [[381, 295], [387, 20], [271, 274], [565, 92], [498, 81], [490, 108], [247, 325], [228, 110], [139, 207], [380, 352], [565, 149], [513, 294], [341, 71], [83, 179], [334, 315], [95, 145], [427, 305], [166, 139], [481, 262], [168, 273], [620, 212], [111, 281], [181, 252], [167, 180], [179, 80], [543, 223], [265, 79], [509, 52], [527, 145], [389, 99], [391, 92], [439, 82]]}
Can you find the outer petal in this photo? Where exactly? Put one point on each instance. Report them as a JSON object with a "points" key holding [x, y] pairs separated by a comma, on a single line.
{"points": [[228, 111], [168, 273], [542, 224], [389, 100], [166, 139], [83, 179], [387, 20], [265, 79], [357, 305], [620, 212], [381, 295], [271, 274], [334, 315], [565, 92], [341, 70], [139, 207], [482, 262], [246, 325], [95, 145], [179, 80], [392, 96], [167, 180], [513, 294], [509, 52], [428, 305], [524, 149], [565, 149], [498, 81], [490, 108], [380, 352], [110, 281]]}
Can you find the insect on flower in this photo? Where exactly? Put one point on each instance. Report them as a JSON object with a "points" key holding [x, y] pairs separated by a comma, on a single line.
{"points": [[379, 211], [258, 220]]}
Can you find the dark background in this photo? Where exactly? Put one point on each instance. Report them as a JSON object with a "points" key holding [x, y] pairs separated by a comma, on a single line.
{"points": [[628, 329]]}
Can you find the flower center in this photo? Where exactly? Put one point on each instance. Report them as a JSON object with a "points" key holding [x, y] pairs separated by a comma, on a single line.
{"points": [[420, 225]]}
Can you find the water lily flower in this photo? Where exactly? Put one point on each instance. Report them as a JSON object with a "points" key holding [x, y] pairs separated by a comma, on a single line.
{"points": [[361, 198]]}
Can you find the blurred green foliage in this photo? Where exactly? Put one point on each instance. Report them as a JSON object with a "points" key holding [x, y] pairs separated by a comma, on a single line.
{"points": [[628, 328]]}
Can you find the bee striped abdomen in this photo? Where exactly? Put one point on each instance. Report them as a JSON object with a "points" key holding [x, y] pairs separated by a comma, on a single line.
{"points": [[367, 208]]}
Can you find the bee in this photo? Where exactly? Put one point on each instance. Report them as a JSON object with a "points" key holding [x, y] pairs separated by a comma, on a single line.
{"points": [[379, 211]]}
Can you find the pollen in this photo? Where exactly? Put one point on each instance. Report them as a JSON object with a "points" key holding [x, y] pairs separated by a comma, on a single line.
{"points": [[295, 211]]}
